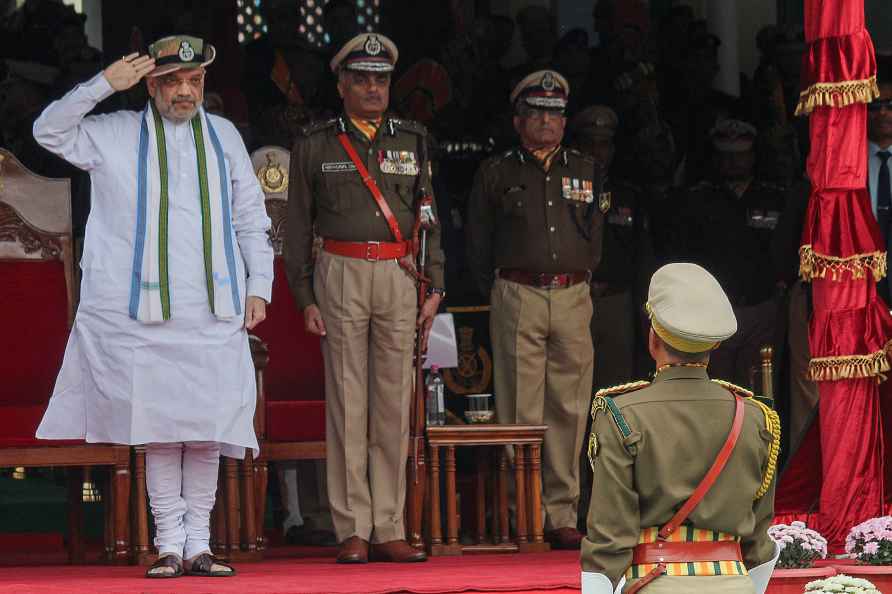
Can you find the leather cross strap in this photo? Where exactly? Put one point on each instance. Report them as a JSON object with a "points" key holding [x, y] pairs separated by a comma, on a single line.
{"points": [[372, 186], [686, 552], [698, 495]]}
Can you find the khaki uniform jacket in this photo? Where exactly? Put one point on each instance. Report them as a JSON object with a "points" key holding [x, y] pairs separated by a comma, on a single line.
{"points": [[327, 197], [642, 475], [521, 216]]}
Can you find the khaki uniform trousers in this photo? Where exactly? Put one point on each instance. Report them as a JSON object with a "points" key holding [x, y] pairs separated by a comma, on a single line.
{"points": [[369, 311], [715, 584], [542, 374]]}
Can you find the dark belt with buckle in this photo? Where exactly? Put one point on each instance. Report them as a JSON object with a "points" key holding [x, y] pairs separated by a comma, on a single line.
{"points": [[544, 280]]}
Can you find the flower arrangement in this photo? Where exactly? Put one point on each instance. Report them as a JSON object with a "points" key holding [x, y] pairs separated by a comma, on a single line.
{"points": [[841, 584], [800, 546], [871, 542]]}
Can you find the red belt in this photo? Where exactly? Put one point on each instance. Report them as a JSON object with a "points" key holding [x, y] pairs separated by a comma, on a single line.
{"points": [[367, 250], [544, 280], [686, 552]]}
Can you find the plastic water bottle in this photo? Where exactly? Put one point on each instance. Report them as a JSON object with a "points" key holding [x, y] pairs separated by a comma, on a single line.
{"points": [[435, 389]]}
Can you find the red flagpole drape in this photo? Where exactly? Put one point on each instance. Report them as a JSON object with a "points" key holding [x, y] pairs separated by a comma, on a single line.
{"points": [[843, 256]]}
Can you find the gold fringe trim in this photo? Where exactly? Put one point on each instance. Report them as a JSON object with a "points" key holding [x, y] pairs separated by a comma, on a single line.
{"points": [[733, 388], [815, 265], [621, 389], [837, 94], [828, 369], [773, 425]]}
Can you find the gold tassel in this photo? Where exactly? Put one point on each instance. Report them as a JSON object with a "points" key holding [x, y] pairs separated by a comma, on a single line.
{"points": [[814, 265], [837, 94], [828, 369]]}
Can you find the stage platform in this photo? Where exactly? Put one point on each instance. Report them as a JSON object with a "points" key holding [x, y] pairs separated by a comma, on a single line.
{"points": [[545, 573]]}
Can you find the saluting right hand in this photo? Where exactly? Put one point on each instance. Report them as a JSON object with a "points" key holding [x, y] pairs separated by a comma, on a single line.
{"points": [[128, 71], [313, 319]]}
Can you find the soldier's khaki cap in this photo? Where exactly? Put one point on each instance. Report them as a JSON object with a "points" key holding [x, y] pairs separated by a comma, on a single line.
{"points": [[597, 121], [688, 308], [733, 136], [367, 52], [545, 89], [180, 51]]}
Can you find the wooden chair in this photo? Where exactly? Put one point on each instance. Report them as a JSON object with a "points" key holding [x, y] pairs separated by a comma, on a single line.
{"points": [[36, 312], [290, 391]]}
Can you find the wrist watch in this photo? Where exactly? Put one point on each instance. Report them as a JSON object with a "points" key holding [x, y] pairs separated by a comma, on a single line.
{"points": [[437, 291]]}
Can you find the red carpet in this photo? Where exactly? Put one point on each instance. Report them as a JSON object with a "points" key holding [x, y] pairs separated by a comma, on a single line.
{"points": [[545, 573]]}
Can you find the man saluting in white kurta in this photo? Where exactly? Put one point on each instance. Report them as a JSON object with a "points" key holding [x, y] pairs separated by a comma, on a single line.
{"points": [[177, 266]]}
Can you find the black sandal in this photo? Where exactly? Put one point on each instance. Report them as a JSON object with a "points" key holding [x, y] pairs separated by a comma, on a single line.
{"points": [[202, 564], [171, 561]]}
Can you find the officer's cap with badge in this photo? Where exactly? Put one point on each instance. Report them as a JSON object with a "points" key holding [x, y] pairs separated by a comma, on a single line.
{"points": [[733, 136], [595, 122], [545, 90], [367, 52], [688, 308], [180, 51]]}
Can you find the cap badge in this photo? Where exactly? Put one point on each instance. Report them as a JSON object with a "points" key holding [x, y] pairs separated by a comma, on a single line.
{"points": [[372, 46], [548, 82], [186, 52]]}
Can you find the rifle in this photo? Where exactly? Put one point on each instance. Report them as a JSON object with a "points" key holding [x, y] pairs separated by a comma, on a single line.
{"points": [[424, 221]]}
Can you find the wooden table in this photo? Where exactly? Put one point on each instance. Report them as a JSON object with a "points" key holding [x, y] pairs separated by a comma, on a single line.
{"points": [[493, 464]]}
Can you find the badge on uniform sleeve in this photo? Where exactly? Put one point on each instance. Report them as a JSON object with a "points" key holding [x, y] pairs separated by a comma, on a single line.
{"points": [[398, 162], [604, 199], [592, 449]]}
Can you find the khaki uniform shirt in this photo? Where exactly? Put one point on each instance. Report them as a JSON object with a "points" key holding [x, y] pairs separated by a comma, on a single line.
{"points": [[326, 194], [522, 216], [676, 427]]}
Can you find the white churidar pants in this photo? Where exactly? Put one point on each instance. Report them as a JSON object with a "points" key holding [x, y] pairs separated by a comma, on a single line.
{"points": [[182, 484]]}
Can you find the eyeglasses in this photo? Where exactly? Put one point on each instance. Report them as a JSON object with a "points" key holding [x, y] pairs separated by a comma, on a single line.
{"points": [[879, 105]]}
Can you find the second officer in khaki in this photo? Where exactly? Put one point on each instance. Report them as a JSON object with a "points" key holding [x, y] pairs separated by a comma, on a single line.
{"points": [[534, 234], [360, 293]]}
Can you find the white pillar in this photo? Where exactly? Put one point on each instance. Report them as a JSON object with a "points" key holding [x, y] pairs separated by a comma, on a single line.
{"points": [[721, 18]]}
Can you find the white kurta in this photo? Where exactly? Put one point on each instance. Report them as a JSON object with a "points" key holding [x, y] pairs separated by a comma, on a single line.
{"points": [[190, 378]]}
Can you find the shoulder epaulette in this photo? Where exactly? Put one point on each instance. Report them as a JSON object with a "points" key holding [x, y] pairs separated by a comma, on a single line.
{"points": [[496, 159], [410, 126], [622, 389], [315, 127], [579, 154], [734, 389], [606, 404]]}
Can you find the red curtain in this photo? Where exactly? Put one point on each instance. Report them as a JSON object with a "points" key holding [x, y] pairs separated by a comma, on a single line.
{"points": [[842, 255]]}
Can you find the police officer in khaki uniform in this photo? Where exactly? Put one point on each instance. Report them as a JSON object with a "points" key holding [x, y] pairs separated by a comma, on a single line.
{"points": [[683, 489], [534, 234], [360, 294]]}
